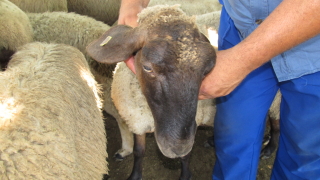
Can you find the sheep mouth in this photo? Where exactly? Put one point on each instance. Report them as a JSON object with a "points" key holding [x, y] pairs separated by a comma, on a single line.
{"points": [[175, 142], [175, 149]]}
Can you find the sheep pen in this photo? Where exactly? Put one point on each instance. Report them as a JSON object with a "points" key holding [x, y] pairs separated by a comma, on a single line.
{"points": [[51, 125]]}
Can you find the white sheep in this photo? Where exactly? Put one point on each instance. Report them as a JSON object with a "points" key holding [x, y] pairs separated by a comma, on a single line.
{"points": [[15, 30], [106, 11], [51, 125], [78, 31], [72, 29], [38, 6]]}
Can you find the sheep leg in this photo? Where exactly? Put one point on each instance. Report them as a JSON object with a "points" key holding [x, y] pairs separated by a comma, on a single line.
{"points": [[127, 141], [138, 151], [209, 142], [185, 171], [5, 56], [274, 138], [126, 134]]}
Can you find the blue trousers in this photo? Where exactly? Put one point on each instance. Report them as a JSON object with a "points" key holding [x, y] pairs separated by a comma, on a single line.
{"points": [[241, 119]]}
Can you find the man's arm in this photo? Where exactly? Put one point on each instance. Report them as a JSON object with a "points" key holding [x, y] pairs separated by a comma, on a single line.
{"points": [[291, 23], [129, 10]]}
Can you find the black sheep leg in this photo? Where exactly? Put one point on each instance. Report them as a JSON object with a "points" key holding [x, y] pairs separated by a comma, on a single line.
{"points": [[274, 139], [138, 151], [185, 171]]}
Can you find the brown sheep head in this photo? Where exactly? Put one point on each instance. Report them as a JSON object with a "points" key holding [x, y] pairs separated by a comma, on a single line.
{"points": [[171, 59]]}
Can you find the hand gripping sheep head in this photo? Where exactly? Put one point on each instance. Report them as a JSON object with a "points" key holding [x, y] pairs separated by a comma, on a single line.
{"points": [[171, 59]]}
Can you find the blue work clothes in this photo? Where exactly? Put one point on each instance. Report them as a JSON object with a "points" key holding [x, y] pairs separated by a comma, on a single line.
{"points": [[241, 116]]}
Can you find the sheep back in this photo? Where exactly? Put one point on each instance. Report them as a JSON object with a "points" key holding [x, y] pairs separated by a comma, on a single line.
{"points": [[72, 29], [191, 7], [102, 10], [38, 6], [51, 125]]}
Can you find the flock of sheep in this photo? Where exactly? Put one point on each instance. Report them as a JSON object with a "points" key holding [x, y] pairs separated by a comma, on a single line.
{"points": [[52, 92]]}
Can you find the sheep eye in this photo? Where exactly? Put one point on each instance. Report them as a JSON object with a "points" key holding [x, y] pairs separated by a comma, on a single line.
{"points": [[147, 69]]}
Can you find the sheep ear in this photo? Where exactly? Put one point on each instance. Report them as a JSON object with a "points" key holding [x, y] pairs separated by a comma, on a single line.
{"points": [[207, 54], [115, 45], [204, 38]]}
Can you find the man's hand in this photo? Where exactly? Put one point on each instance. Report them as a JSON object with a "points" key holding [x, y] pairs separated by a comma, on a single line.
{"points": [[225, 76], [128, 13]]}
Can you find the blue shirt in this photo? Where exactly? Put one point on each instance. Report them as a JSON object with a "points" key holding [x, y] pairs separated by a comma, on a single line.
{"points": [[246, 15]]}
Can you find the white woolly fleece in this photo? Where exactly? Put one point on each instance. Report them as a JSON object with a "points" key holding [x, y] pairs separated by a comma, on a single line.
{"points": [[53, 126]]}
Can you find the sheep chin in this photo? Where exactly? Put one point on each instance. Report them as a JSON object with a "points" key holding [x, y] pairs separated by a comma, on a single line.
{"points": [[176, 149]]}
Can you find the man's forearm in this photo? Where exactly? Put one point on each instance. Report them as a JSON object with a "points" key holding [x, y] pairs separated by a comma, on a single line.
{"points": [[291, 23]]}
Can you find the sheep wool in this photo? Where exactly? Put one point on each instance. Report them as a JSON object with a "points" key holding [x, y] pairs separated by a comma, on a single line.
{"points": [[15, 30], [72, 29], [207, 15], [106, 11], [274, 110], [191, 7], [78, 31], [51, 125], [39, 6], [209, 24]]}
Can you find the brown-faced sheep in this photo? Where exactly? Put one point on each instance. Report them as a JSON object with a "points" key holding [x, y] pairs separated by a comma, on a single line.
{"points": [[171, 59], [51, 125], [15, 30]]}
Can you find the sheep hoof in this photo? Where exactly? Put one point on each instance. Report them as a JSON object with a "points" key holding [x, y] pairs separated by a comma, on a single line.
{"points": [[266, 139], [106, 177], [264, 157], [267, 152], [209, 142], [118, 157]]}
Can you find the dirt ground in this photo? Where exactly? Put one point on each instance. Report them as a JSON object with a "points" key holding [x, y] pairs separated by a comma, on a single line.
{"points": [[158, 167]]}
